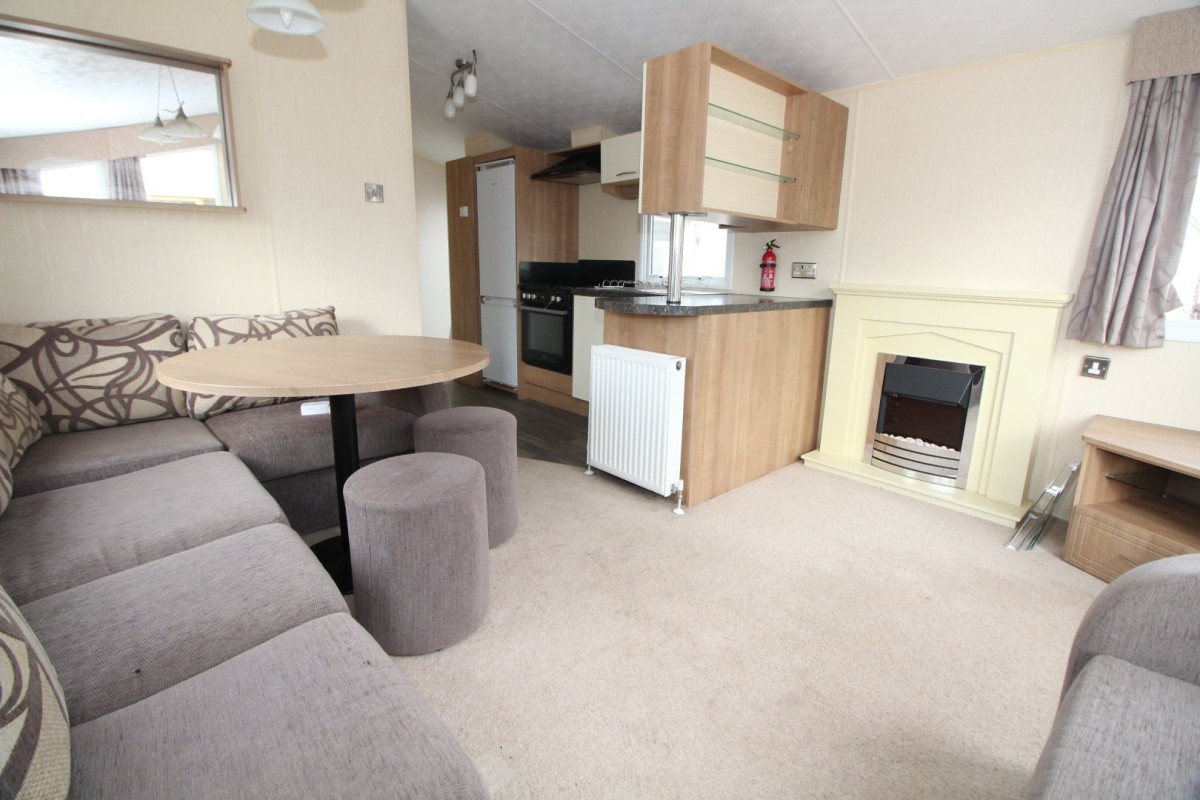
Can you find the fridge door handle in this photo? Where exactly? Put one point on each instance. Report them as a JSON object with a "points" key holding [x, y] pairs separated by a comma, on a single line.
{"points": [[498, 301]]}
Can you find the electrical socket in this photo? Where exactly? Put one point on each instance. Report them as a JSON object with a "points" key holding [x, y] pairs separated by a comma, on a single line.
{"points": [[804, 269], [1094, 367], [374, 192]]}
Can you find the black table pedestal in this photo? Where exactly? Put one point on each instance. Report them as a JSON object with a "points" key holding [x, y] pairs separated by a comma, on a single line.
{"points": [[334, 553]]}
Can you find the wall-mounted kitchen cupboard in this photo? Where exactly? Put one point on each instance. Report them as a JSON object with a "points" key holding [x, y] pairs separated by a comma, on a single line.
{"points": [[620, 165], [724, 136], [547, 229]]}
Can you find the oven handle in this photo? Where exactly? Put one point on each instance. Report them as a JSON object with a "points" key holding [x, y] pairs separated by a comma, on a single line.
{"points": [[533, 310]]}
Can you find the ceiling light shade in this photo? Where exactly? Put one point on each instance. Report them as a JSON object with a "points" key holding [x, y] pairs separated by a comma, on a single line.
{"points": [[463, 84], [157, 133], [183, 128], [294, 17]]}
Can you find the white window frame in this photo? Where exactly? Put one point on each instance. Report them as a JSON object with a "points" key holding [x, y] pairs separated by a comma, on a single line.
{"points": [[646, 270]]}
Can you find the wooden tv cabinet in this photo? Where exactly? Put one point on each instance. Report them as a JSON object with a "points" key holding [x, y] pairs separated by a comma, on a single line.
{"points": [[1117, 525]]}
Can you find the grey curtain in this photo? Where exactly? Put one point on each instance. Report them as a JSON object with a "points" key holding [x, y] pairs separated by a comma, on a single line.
{"points": [[20, 181], [125, 179], [1126, 286]]}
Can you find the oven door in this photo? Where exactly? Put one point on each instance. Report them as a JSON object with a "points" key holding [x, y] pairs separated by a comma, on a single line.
{"points": [[546, 338]]}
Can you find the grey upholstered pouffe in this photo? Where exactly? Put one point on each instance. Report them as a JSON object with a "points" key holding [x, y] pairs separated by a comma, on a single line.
{"points": [[488, 435], [419, 550]]}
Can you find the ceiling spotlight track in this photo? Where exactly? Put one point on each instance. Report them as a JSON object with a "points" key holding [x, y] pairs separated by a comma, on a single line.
{"points": [[463, 84]]}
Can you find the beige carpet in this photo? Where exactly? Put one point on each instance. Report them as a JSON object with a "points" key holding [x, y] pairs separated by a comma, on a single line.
{"points": [[803, 636]]}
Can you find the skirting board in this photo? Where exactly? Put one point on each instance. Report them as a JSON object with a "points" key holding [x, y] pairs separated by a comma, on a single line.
{"points": [[967, 502]]}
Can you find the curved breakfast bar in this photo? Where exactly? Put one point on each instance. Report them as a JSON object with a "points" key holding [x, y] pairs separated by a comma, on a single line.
{"points": [[756, 368]]}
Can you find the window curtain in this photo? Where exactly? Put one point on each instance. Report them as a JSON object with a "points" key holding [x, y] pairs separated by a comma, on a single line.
{"points": [[20, 181], [1126, 288], [125, 179]]}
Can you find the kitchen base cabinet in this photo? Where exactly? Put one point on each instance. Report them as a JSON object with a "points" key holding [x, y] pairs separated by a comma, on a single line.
{"points": [[752, 398], [1124, 514], [589, 330]]}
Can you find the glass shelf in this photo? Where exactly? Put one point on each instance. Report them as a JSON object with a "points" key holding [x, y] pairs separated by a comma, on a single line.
{"points": [[729, 115], [1163, 483], [757, 173]]}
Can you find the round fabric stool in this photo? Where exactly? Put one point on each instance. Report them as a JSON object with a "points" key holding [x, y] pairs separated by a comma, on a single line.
{"points": [[488, 435], [419, 550]]}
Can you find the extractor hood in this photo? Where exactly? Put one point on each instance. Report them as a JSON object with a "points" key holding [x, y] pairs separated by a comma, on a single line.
{"points": [[579, 166]]}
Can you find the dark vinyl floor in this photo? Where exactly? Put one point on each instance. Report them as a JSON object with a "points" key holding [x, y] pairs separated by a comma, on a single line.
{"points": [[543, 432]]}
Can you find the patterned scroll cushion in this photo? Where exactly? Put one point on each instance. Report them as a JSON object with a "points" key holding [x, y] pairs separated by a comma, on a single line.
{"points": [[206, 332], [35, 746], [20, 426], [94, 373]]}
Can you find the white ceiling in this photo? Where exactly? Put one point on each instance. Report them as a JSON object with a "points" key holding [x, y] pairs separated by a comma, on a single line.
{"points": [[547, 67]]}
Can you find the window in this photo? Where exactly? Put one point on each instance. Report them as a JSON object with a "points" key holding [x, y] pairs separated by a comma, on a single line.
{"points": [[1183, 324], [182, 176], [86, 180], [707, 251]]}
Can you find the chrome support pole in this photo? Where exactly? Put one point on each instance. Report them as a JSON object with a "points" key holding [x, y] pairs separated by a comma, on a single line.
{"points": [[675, 264]]}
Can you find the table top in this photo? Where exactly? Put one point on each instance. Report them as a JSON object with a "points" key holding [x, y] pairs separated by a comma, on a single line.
{"points": [[321, 365]]}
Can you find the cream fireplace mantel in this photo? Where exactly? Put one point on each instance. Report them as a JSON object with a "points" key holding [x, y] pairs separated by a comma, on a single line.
{"points": [[1011, 334]]}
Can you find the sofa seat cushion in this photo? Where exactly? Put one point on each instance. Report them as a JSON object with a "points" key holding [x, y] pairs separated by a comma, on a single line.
{"points": [[52, 541], [1122, 731], [277, 441], [318, 711], [160, 623], [57, 461]]}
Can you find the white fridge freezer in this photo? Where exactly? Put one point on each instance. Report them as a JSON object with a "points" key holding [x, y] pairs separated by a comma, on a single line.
{"points": [[496, 223], [498, 324]]}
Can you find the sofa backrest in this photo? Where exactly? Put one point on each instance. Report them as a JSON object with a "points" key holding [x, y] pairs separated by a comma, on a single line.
{"points": [[227, 329], [85, 374]]}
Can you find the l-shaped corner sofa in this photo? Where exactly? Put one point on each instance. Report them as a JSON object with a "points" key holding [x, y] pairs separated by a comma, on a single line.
{"points": [[200, 649]]}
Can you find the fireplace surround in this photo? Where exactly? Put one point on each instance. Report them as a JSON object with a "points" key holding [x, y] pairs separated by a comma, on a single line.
{"points": [[1011, 336]]}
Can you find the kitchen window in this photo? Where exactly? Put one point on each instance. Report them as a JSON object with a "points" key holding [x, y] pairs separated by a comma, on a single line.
{"points": [[707, 252]]}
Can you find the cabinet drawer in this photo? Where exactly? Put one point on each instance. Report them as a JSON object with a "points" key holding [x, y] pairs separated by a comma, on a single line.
{"points": [[1103, 541]]}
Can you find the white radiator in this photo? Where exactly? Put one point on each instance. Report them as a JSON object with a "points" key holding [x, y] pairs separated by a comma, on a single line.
{"points": [[635, 418]]}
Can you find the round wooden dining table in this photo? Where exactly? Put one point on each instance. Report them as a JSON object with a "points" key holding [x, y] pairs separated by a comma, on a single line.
{"points": [[337, 367]]}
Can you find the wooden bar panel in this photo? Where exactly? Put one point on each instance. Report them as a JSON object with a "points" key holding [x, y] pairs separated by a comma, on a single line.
{"points": [[753, 391]]}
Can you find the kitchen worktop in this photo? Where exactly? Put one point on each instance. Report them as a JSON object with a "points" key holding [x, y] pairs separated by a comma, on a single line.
{"points": [[698, 305]]}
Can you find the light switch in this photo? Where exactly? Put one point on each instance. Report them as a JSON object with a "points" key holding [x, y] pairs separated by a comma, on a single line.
{"points": [[374, 192]]}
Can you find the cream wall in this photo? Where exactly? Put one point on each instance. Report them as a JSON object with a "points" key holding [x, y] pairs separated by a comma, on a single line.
{"points": [[609, 227], [433, 252], [989, 177], [306, 238]]}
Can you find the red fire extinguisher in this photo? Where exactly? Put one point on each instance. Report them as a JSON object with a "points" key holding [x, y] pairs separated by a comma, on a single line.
{"points": [[767, 283]]}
